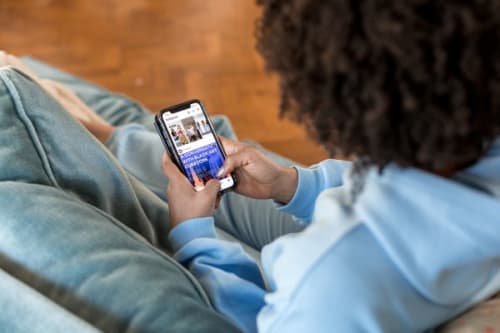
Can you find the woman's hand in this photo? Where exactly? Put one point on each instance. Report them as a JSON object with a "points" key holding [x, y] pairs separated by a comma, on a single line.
{"points": [[184, 202], [258, 176]]}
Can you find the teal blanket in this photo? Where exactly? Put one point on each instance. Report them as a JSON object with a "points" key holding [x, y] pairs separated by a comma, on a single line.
{"points": [[77, 232]]}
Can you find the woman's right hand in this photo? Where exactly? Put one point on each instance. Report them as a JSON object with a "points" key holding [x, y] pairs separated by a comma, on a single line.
{"points": [[258, 176]]}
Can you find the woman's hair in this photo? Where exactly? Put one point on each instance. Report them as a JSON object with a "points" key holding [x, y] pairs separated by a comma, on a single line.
{"points": [[416, 82]]}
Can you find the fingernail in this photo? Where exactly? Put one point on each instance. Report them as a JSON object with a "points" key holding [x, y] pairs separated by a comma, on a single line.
{"points": [[220, 172]]}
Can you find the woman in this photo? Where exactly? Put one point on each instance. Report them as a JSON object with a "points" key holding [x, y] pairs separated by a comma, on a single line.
{"points": [[404, 238]]}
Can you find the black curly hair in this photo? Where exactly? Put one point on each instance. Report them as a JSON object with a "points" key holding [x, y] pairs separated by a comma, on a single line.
{"points": [[416, 82]]}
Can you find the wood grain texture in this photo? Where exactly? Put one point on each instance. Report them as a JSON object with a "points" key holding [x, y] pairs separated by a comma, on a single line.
{"points": [[162, 52]]}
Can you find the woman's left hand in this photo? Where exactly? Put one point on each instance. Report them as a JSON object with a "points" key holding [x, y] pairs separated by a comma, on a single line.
{"points": [[184, 202]]}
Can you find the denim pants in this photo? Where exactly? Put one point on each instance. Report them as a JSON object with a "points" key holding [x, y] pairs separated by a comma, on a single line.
{"points": [[82, 240]]}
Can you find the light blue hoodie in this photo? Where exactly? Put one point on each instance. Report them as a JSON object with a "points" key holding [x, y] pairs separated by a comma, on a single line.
{"points": [[407, 253]]}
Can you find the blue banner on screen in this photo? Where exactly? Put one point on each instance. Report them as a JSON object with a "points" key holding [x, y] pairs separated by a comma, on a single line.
{"points": [[202, 164]]}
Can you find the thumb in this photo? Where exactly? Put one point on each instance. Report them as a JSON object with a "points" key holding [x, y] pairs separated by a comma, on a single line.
{"points": [[231, 146], [235, 161]]}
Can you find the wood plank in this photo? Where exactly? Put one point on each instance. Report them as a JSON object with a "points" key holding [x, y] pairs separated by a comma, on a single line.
{"points": [[160, 53]]}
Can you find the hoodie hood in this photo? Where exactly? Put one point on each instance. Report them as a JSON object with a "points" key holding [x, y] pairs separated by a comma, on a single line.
{"points": [[442, 234]]}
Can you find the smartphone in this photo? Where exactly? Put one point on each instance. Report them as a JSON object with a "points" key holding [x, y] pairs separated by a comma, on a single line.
{"points": [[191, 142]]}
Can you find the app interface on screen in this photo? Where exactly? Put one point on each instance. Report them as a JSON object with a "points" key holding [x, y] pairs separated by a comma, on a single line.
{"points": [[198, 151]]}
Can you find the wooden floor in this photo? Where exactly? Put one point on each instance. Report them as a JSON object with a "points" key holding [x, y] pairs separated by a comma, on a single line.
{"points": [[162, 52]]}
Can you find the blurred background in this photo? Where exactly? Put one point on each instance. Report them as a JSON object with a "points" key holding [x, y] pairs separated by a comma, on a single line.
{"points": [[162, 52]]}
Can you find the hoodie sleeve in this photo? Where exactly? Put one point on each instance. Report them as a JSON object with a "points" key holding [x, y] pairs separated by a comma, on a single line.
{"points": [[311, 182], [231, 278]]}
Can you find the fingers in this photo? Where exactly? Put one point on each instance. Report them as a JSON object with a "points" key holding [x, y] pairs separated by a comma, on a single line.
{"points": [[176, 177], [167, 165], [235, 161], [172, 172], [211, 193], [212, 188], [217, 201], [231, 146]]}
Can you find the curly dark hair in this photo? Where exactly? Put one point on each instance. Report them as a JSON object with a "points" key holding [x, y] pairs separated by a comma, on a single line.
{"points": [[414, 82]]}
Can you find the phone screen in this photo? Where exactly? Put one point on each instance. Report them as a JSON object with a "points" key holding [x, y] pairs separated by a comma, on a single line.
{"points": [[196, 146]]}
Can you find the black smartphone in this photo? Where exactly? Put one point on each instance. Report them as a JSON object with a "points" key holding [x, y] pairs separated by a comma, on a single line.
{"points": [[191, 142]]}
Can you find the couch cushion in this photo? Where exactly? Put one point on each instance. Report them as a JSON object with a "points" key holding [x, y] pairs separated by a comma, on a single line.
{"points": [[117, 109], [79, 231]]}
